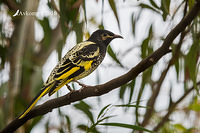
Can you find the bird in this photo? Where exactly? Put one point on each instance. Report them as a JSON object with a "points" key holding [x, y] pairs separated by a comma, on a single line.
{"points": [[77, 63]]}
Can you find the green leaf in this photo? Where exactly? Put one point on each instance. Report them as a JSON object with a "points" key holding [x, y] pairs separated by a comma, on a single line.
{"points": [[180, 127], [68, 124], [85, 108], [191, 3], [131, 85], [102, 9], [78, 30], [177, 62], [127, 126], [144, 47], [113, 55], [195, 105], [83, 127], [133, 22], [122, 91], [154, 4], [88, 129], [147, 49], [113, 7], [165, 5], [142, 5], [85, 14], [101, 26], [59, 48], [47, 31], [124, 87], [191, 63], [102, 111], [100, 120], [64, 20], [129, 105]]}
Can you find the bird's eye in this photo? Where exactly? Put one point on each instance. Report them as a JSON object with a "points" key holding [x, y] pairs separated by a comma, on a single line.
{"points": [[105, 34]]}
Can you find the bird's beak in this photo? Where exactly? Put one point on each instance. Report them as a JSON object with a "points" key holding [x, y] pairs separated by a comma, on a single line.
{"points": [[117, 36]]}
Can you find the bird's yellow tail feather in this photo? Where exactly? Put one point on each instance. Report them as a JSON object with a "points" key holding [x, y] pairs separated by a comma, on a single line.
{"points": [[34, 101]]}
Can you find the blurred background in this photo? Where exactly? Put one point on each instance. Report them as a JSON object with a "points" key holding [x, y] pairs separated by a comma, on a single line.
{"points": [[35, 35]]}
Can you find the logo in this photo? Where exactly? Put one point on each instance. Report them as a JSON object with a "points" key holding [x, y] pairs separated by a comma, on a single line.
{"points": [[27, 13]]}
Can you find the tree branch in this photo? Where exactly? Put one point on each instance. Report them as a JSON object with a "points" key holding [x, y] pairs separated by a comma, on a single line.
{"points": [[171, 109], [113, 84], [157, 86]]}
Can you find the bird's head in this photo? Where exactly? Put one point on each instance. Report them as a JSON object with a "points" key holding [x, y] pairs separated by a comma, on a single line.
{"points": [[104, 36]]}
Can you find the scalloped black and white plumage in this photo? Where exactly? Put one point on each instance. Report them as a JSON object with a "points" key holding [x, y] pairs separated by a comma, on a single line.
{"points": [[78, 63]]}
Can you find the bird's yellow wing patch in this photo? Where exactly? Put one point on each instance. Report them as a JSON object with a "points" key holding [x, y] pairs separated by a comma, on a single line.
{"points": [[67, 74], [86, 64]]}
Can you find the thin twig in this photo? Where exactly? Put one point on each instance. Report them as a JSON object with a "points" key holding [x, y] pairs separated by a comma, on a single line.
{"points": [[171, 109], [157, 85]]}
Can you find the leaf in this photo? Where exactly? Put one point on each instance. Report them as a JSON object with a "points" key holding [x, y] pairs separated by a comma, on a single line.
{"points": [[68, 124], [78, 30], [147, 49], [113, 6], [180, 127], [154, 4], [191, 3], [59, 48], [85, 108], [133, 22], [101, 117], [102, 9], [122, 91], [83, 127], [63, 18], [144, 47], [114, 57], [191, 63], [102, 111], [101, 26], [124, 87], [47, 31], [85, 14], [127, 126], [129, 105], [195, 105], [177, 62], [142, 5], [100, 120], [165, 5], [131, 85]]}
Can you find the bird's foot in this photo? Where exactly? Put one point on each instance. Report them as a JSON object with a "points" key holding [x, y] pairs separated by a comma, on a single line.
{"points": [[81, 84], [69, 88]]}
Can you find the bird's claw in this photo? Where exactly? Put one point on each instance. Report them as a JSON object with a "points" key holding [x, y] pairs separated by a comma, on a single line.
{"points": [[69, 88], [81, 84]]}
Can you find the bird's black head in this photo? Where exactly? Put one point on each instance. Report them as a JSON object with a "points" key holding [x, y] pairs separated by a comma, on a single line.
{"points": [[103, 36]]}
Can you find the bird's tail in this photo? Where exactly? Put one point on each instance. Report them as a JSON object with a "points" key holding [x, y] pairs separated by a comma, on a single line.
{"points": [[34, 101]]}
